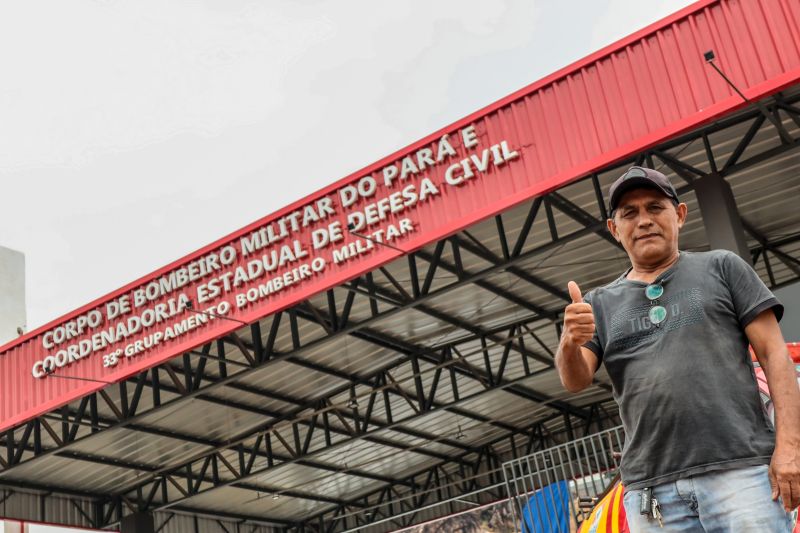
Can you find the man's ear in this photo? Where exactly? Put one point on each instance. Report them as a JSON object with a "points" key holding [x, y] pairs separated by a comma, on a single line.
{"points": [[612, 228], [682, 211]]}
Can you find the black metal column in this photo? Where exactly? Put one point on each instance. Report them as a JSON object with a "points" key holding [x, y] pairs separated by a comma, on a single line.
{"points": [[137, 523], [720, 215]]}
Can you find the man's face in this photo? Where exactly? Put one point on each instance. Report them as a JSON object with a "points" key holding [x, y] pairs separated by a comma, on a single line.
{"points": [[647, 223]]}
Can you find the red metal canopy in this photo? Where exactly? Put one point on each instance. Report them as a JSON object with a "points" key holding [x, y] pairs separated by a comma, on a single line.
{"points": [[619, 101]]}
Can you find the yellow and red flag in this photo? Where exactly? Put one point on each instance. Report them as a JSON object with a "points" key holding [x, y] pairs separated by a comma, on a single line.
{"points": [[608, 516]]}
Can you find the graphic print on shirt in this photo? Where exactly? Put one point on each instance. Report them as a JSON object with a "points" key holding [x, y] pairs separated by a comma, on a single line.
{"points": [[631, 326]]}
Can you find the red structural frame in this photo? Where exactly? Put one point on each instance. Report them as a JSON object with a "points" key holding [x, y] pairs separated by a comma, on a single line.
{"points": [[24, 523], [619, 101]]}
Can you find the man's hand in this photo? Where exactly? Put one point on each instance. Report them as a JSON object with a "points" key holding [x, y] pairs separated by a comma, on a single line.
{"points": [[578, 318], [770, 348], [784, 474], [576, 365]]}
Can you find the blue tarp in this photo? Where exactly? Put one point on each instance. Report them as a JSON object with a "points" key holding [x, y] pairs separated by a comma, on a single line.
{"points": [[547, 510]]}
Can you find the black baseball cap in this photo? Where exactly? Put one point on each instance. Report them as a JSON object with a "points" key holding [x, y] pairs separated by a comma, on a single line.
{"points": [[637, 177]]}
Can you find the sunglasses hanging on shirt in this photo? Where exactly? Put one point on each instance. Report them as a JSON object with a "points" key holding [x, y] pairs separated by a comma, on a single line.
{"points": [[657, 313]]}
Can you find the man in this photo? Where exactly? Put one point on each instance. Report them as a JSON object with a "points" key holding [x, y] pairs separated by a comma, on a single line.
{"points": [[673, 332]]}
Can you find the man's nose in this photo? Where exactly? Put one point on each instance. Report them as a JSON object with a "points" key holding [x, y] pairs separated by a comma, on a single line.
{"points": [[645, 220]]}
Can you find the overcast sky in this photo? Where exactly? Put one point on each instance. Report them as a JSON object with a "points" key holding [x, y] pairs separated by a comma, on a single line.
{"points": [[133, 133]]}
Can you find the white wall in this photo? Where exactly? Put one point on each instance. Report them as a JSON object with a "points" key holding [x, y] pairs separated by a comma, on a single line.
{"points": [[12, 293]]}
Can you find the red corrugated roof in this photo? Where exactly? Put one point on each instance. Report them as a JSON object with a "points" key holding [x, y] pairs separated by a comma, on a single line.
{"points": [[617, 102]]}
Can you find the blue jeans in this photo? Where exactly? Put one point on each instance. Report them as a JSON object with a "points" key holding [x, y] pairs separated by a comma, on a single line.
{"points": [[726, 501]]}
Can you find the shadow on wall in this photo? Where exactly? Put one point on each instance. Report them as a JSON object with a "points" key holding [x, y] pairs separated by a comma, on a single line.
{"points": [[790, 324]]}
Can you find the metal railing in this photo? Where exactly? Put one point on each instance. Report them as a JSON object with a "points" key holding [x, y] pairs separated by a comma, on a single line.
{"points": [[554, 490]]}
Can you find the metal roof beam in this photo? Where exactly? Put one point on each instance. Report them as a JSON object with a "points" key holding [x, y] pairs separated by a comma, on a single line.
{"points": [[463, 480], [460, 323], [491, 287], [224, 402], [746, 115], [141, 467], [785, 241], [395, 344], [487, 255], [684, 170], [760, 158], [245, 468], [210, 443], [751, 114], [236, 517], [790, 262], [387, 341], [582, 217], [308, 405], [352, 378], [192, 383]]}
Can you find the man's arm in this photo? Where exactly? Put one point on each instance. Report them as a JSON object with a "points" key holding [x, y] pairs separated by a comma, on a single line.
{"points": [[576, 365], [773, 356]]}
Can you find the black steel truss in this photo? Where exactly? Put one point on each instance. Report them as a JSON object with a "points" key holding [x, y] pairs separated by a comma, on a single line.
{"points": [[476, 470], [288, 436], [481, 477]]}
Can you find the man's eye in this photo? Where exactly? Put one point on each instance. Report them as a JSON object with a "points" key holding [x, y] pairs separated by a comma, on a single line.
{"points": [[628, 214]]}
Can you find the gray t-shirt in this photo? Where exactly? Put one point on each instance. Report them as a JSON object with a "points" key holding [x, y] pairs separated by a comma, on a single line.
{"points": [[686, 389]]}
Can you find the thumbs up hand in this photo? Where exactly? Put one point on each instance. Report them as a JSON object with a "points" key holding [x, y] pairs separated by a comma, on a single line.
{"points": [[575, 292], [578, 318]]}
